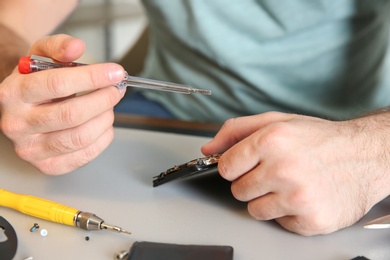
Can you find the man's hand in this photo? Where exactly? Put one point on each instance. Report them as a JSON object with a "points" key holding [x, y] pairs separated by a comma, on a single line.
{"points": [[312, 176], [51, 127]]}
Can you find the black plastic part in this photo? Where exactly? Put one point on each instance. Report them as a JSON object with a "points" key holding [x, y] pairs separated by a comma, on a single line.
{"points": [[9, 244], [183, 173], [142, 250]]}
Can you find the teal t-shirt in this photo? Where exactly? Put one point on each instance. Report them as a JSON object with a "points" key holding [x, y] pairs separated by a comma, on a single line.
{"points": [[325, 58]]}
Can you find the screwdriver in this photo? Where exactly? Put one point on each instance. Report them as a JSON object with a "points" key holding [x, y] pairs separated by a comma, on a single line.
{"points": [[34, 63], [55, 212]]}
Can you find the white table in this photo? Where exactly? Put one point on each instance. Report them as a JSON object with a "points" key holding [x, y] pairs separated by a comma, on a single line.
{"points": [[117, 186]]}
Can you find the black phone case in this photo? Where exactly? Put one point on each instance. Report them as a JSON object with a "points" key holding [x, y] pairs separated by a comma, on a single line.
{"points": [[142, 250]]}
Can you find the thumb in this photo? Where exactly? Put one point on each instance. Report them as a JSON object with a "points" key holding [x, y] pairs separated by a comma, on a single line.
{"points": [[60, 47]]}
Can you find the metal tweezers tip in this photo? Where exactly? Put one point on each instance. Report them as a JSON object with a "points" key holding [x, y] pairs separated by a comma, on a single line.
{"points": [[202, 91]]}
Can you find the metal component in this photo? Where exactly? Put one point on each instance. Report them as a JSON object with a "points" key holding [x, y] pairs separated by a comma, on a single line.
{"points": [[35, 227], [202, 91], [44, 232], [89, 221], [87, 238], [121, 255], [200, 165], [379, 223], [209, 160], [137, 82], [38, 63], [114, 228]]}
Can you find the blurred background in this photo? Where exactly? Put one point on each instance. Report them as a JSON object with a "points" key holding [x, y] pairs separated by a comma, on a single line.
{"points": [[109, 28]]}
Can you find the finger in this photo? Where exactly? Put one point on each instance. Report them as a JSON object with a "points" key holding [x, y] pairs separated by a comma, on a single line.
{"points": [[72, 112], [60, 47], [242, 158], [67, 141], [42, 86], [253, 184], [268, 207], [72, 161], [235, 130]]}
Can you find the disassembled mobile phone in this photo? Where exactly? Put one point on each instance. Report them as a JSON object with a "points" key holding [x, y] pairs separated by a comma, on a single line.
{"points": [[202, 165]]}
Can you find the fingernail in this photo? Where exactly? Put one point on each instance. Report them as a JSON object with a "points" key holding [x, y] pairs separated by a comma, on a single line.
{"points": [[116, 75]]}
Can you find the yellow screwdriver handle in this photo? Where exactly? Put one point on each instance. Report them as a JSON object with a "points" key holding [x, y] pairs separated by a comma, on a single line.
{"points": [[37, 207]]}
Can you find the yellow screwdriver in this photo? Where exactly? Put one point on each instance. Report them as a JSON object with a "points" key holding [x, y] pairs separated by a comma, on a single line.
{"points": [[55, 212]]}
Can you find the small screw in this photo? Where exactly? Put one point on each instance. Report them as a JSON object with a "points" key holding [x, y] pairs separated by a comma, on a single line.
{"points": [[87, 238], [121, 255], [35, 227]]}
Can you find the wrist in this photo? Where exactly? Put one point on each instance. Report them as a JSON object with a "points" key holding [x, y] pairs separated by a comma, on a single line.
{"points": [[370, 139]]}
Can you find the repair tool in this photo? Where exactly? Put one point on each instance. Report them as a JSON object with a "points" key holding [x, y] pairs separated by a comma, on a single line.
{"points": [[203, 165], [55, 212], [379, 223], [34, 63]]}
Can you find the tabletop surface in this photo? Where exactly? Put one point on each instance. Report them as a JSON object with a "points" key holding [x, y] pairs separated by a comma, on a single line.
{"points": [[117, 187]]}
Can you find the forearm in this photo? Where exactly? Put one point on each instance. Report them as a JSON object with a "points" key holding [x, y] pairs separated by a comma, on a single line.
{"points": [[373, 135], [22, 22], [12, 47], [32, 20]]}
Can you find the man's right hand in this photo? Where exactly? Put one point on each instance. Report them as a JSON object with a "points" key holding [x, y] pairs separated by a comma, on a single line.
{"points": [[50, 126]]}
